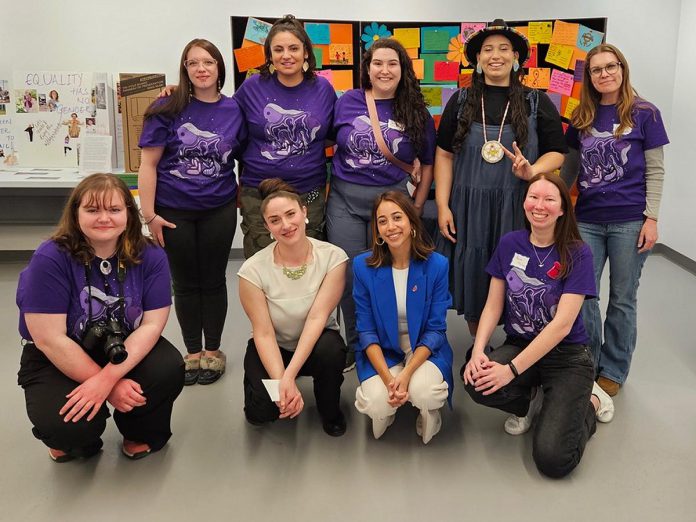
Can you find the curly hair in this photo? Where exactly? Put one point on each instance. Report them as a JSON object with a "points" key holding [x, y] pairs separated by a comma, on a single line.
{"points": [[181, 97], [410, 109], [518, 110], [289, 24], [98, 190]]}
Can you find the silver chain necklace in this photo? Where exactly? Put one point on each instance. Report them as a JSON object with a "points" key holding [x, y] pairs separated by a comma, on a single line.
{"points": [[541, 261]]}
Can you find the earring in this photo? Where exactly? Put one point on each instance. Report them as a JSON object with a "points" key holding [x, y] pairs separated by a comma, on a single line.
{"points": [[219, 86], [516, 66], [413, 233], [190, 90], [272, 238], [478, 68], [271, 68], [305, 66], [377, 241], [306, 220]]}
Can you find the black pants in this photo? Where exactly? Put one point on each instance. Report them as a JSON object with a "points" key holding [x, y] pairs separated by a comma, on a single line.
{"points": [[160, 374], [567, 417], [325, 364], [198, 250]]}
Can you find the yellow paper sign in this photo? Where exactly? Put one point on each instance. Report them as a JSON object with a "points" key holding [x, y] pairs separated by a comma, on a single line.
{"points": [[538, 78], [565, 33], [560, 55], [540, 32], [570, 107], [408, 37]]}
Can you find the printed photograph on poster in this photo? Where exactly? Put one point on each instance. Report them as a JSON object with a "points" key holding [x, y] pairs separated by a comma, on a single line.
{"points": [[26, 101], [4, 91], [101, 95], [43, 106], [53, 101]]}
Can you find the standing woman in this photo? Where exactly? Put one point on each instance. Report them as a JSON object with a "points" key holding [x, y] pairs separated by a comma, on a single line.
{"points": [[618, 139], [401, 297], [188, 193], [363, 167], [290, 290], [493, 137], [539, 279], [97, 275], [289, 112]]}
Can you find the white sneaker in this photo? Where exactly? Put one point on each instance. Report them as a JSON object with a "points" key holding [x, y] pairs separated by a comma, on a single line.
{"points": [[428, 425], [379, 426], [605, 412], [515, 425]]}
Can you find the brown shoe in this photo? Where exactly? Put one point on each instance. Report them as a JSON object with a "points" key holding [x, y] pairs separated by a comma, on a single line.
{"points": [[609, 386], [212, 368]]}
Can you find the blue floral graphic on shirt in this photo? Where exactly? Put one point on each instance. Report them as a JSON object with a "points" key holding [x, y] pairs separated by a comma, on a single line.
{"points": [[530, 302], [361, 146], [201, 152], [289, 132], [105, 307], [603, 159]]}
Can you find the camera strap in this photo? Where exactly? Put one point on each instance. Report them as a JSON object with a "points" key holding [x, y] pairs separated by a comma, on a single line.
{"points": [[120, 277]]}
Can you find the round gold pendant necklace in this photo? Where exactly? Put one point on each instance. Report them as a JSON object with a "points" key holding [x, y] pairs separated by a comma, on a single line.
{"points": [[492, 150]]}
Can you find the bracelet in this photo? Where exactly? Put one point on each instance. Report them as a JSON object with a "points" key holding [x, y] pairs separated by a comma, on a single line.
{"points": [[151, 219], [514, 369]]}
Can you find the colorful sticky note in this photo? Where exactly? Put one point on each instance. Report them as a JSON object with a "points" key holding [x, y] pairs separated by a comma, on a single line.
{"points": [[560, 55], [418, 68], [447, 93], [341, 33], [408, 37], [435, 111], [579, 70], [430, 60], [343, 80], [588, 38], [538, 78], [436, 119], [318, 55], [432, 95], [434, 39], [577, 55], [327, 74], [341, 54], [324, 53], [446, 71], [469, 28], [555, 99], [412, 53], [561, 82], [248, 43], [524, 29], [532, 61], [565, 129], [570, 107], [256, 30], [465, 78], [318, 33], [577, 89], [540, 32], [248, 57], [565, 33]]}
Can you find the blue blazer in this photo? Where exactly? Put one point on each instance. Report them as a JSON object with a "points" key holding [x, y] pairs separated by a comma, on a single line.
{"points": [[427, 301]]}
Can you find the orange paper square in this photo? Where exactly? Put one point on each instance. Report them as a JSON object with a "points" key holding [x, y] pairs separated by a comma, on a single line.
{"points": [[419, 68], [343, 80], [249, 57], [577, 89], [577, 55], [324, 54], [341, 33], [412, 52]]}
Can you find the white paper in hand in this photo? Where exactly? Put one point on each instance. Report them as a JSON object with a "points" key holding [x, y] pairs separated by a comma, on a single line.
{"points": [[272, 388]]}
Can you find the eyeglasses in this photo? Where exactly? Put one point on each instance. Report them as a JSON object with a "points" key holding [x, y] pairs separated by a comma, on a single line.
{"points": [[194, 64], [611, 69]]}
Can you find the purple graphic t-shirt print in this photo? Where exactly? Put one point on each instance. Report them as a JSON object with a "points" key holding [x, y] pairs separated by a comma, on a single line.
{"points": [[603, 158], [531, 305], [201, 152], [104, 307], [361, 146], [289, 132]]}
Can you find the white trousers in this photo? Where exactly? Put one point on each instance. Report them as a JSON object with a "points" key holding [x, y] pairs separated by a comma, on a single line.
{"points": [[427, 391]]}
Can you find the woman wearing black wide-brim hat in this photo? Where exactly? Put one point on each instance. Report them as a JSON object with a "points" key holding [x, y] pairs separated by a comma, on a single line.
{"points": [[493, 137]]}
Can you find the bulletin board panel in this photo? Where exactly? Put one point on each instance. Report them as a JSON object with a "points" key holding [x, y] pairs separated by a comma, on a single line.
{"points": [[436, 48]]}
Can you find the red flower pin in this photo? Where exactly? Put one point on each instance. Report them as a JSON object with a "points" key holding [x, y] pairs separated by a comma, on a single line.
{"points": [[554, 271]]}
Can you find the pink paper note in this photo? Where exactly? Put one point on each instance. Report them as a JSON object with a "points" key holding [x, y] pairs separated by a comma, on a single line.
{"points": [[561, 82]]}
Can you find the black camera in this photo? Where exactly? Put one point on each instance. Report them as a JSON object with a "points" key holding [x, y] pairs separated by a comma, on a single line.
{"points": [[108, 336]]}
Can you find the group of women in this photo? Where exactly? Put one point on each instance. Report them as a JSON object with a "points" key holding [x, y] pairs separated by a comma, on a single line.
{"points": [[509, 250]]}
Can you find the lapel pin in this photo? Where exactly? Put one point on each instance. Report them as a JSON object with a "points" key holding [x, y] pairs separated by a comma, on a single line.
{"points": [[415, 288]]}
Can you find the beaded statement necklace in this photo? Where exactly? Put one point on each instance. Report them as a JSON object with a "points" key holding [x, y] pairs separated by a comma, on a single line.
{"points": [[295, 273]]}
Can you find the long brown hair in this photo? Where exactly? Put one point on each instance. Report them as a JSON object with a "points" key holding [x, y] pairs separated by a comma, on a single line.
{"points": [[472, 105], [566, 236], [409, 109], [421, 244], [98, 189], [289, 24], [181, 97], [584, 115]]}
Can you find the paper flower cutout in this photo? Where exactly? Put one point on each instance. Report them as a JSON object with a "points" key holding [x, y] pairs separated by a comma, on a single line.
{"points": [[456, 51], [374, 32]]}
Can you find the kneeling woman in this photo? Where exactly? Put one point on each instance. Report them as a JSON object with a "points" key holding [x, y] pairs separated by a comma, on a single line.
{"points": [[290, 290], [540, 278], [401, 298], [93, 303]]}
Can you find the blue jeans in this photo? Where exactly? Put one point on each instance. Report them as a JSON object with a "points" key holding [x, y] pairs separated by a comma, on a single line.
{"points": [[616, 242]]}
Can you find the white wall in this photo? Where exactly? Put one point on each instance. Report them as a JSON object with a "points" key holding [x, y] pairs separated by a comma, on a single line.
{"points": [[678, 212], [133, 36]]}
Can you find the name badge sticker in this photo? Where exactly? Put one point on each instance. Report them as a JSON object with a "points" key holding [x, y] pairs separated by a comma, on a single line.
{"points": [[519, 261]]}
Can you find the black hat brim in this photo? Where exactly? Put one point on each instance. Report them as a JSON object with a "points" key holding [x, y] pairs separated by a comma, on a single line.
{"points": [[519, 42]]}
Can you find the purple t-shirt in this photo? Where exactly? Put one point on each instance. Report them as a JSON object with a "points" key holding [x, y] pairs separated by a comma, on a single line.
{"points": [[54, 282], [196, 171], [358, 158], [287, 129], [532, 292], [611, 180]]}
